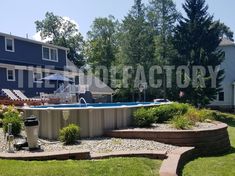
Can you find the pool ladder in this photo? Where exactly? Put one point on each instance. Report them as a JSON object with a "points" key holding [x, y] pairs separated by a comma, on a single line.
{"points": [[80, 101]]}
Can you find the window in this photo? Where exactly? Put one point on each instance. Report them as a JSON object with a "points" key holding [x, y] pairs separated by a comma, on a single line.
{"points": [[10, 75], [221, 96], [9, 45], [50, 54], [53, 54], [37, 77], [46, 53]]}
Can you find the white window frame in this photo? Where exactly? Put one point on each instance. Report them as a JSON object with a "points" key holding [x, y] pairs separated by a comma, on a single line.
{"points": [[14, 75], [13, 44], [57, 55], [34, 77], [43, 53]]}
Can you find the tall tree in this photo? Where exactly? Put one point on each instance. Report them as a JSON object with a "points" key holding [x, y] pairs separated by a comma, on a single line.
{"points": [[225, 31], [62, 32], [162, 15], [101, 46], [196, 39], [136, 44]]}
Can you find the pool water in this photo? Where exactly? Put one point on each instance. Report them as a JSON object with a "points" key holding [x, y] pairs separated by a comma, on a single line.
{"points": [[101, 105]]}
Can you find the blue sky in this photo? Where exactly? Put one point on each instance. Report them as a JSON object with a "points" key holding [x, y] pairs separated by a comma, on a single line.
{"points": [[18, 17]]}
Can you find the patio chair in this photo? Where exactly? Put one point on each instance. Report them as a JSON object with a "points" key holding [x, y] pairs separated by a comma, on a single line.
{"points": [[10, 94], [20, 95], [23, 97]]}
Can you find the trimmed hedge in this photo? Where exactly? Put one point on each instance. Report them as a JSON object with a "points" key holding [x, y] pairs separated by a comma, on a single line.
{"points": [[181, 116], [144, 117], [165, 113], [70, 134]]}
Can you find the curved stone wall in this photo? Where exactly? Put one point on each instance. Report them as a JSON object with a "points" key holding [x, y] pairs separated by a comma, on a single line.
{"points": [[207, 142]]}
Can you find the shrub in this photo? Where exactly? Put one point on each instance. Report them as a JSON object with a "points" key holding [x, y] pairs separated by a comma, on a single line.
{"points": [[196, 115], [220, 116], [181, 122], [2, 110], [206, 114], [70, 134], [167, 112], [14, 117], [16, 125], [144, 117]]}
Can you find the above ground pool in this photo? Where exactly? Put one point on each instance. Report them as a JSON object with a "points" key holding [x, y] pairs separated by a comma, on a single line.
{"points": [[93, 119], [98, 105]]}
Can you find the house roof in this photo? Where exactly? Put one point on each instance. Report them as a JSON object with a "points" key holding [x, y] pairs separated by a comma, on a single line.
{"points": [[226, 42], [32, 41], [94, 84]]}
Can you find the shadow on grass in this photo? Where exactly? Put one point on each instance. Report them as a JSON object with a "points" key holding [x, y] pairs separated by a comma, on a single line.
{"points": [[231, 151], [230, 121], [226, 118]]}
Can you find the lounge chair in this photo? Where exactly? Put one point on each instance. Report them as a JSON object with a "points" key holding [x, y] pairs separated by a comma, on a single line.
{"points": [[50, 100], [10, 94], [20, 95], [17, 101]]}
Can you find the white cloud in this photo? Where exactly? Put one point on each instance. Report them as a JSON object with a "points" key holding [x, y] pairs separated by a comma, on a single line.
{"points": [[72, 21]]}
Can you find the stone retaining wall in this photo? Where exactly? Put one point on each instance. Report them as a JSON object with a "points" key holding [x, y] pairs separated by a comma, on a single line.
{"points": [[44, 156], [207, 142], [172, 166]]}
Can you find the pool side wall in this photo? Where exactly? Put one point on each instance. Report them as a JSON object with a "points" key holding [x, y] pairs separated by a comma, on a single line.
{"points": [[92, 122]]}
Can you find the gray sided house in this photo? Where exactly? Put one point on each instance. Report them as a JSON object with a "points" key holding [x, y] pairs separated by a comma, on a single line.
{"points": [[226, 98], [23, 62], [99, 90]]}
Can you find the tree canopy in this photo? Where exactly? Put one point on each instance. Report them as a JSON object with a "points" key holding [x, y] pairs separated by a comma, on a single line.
{"points": [[62, 32], [152, 33], [196, 39]]}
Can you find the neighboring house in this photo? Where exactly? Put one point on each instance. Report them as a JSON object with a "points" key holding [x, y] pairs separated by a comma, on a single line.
{"points": [[226, 98], [23, 62], [100, 91]]}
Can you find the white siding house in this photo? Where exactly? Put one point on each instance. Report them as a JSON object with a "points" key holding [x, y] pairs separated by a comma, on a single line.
{"points": [[226, 99]]}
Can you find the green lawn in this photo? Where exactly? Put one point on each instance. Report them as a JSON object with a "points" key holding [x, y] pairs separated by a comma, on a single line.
{"points": [[107, 167], [215, 166]]}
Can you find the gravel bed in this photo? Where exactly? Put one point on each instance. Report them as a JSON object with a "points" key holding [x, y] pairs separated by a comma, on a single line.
{"points": [[198, 126], [98, 145], [106, 145]]}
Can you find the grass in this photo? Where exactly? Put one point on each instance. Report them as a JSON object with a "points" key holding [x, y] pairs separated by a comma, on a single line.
{"points": [[107, 167], [215, 166]]}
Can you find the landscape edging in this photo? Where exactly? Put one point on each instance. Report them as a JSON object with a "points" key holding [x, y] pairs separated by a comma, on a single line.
{"points": [[42, 156], [171, 166], [176, 160]]}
